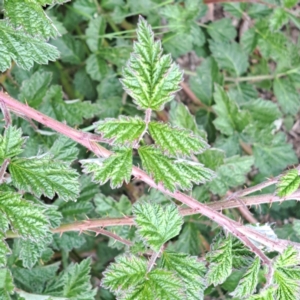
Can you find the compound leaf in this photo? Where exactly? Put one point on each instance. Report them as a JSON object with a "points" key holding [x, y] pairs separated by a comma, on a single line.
{"points": [[123, 130], [42, 175], [117, 168], [247, 284], [157, 224], [288, 183], [175, 140], [150, 78]]}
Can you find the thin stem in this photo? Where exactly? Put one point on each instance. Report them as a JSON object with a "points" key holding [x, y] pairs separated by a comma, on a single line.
{"points": [[3, 170], [6, 114], [153, 259], [112, 235], [147, 120]]}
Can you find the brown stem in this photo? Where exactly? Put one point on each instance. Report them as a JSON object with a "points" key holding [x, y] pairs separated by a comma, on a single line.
{"points": [[111, 235], [3, 170]]}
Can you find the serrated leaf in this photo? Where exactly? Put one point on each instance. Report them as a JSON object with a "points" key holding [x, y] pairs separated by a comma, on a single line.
{"points": [[176, 140], [11, 143], [172, 173], [278, 19], [288, 183], [96, 67], [26, 219], [124, 130], [249, 40], [6, 284], [149, 77], [117, 168], [241, 255], [247, 284], [44, 176], [68, 241], [222, 30], [72, 111], [4, 250], [30, 17], [229, 118], [157, 224], [190, 271], [220, 258], [229, 56], [23, 49], [125, 272], [267, 294]]}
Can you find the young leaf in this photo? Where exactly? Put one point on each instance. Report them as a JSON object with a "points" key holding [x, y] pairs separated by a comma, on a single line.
{"points": [[288, 183], [247, 284], [190, 271], [220, 258], [121, 131], [117, 168], [6, 284], [149, 77], [125, 272], [175, 140], [156, 224], [23, 49], [11, 143], [43, 176]]}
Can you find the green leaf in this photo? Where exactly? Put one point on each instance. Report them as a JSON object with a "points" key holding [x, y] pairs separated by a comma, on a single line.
{"points": [[156, 224], [125, 272], [288, 183], [278, 19], [27, 219], [172, 173], [124, 130], [287, 95], [190, 271], [96, 67], [149, 77], [247, 284], [72, 111], [267, 294], [30, 17], [229, 56], [43, 176], [11, 143], [117, 168], [229, 117], [176, 140], [212, 158], [6, 284], [220, 258], [289, 3], [95, 29], [4, 250], [23, 49], [222, 30]]}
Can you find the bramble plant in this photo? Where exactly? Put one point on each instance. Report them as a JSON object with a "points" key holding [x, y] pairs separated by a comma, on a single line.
{"points": [[115, 213]]}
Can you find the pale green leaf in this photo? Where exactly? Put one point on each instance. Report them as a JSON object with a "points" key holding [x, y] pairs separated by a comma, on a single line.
{"points": [[30, 17], [222, 30], [6, 284], [23, 49], [247, 284], [95, 29], [175, 140], [191, 272], [172, 173], [289, 258], [157, 224], [124, 130], [116, 168], [267, 294], [150, 78], [220, 258], [125, 272], [278, 19], [288, 183], [11, 143], [43, 176], [229, 56]]}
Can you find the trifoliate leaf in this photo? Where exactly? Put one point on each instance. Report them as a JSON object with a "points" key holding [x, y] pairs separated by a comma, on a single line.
{"points": [[123, 130], [125, 272], [247, 284], [26, 218], [288, 183], [73, 111], [229, 117], [190, 271], [157, 224], [222, 30], [150, 78], [230, 56], [159, 284], [220, 258], [172, 173], [23, 49], [175, 140], [43, 176], [6, 284], [30, 17], [117, 168], [278, 19], [11, 143]]}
